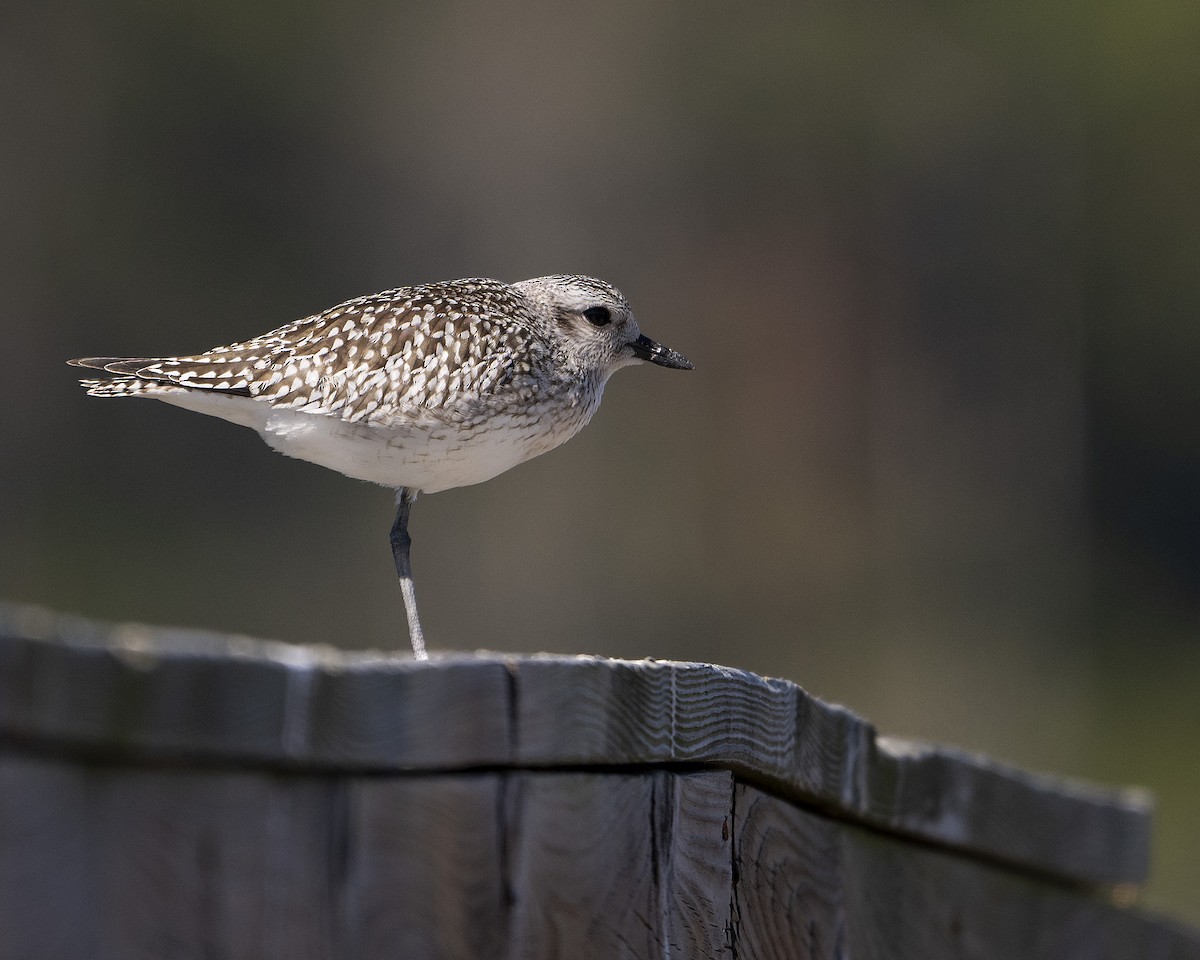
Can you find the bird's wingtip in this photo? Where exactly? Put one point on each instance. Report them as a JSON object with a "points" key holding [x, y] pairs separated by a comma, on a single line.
{"points": [[122, 365]]}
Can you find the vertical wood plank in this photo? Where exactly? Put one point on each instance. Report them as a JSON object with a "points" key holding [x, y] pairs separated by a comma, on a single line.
{"points": [[610, 866], [788, 888], [46, 832], [696, 880], [812, 888], [560, 821], [422, 874], [112, 861], [203, 864]]}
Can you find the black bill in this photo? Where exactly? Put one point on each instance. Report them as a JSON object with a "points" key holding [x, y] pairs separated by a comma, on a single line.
{"points": [[646, 349]]}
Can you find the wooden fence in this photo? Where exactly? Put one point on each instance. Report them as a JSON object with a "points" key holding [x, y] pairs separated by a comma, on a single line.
{"points": [[171, 794]]}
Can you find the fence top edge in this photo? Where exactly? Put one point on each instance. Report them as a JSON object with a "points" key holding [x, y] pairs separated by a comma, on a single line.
{"points": [[462, 710]]}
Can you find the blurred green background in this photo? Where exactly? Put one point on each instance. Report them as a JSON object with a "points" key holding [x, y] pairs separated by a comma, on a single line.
{"points": [[938, 267]]}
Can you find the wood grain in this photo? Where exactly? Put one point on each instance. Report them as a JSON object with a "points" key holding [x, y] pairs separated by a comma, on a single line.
{"points": [[118, 861], [131, 863], [655, 862], [122, 861], [811, 888], [138, 692], [422, 868]]}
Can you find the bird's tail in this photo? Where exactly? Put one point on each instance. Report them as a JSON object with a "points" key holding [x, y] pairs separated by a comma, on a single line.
{"points": [[123, 387], [125, 384]]}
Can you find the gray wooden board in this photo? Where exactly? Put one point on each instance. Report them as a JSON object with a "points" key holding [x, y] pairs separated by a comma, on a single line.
{"points": [[423, 869], [116, 861], [810, 887], [120, 861], [143, 692], [619, 866]]}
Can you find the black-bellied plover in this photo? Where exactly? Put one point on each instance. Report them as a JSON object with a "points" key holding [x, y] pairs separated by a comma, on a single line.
{"points": [[419, 388]]}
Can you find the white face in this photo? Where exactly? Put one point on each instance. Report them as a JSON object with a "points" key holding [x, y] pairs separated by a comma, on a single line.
{"points": [[596, 323]]}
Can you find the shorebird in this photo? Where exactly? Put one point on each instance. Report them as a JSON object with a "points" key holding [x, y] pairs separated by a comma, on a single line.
{"points": [[420, 388]]}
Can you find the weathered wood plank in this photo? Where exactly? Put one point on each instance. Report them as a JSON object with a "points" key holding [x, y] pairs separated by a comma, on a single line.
{"points": [[423, 868], [697, 874], [136, 692], [45, 836], [120, 861], [591, 710], [810, 887], [113, 860], [191, 862], [655, 859], [125, 863], [545, 865], [140, 691]]}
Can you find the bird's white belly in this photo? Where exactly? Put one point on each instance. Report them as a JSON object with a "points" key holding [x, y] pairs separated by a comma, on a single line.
{"points": [[432, 458], [424, 453]]}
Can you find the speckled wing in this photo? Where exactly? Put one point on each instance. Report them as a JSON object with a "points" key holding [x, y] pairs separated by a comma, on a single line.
{"points": [[445, 349]]}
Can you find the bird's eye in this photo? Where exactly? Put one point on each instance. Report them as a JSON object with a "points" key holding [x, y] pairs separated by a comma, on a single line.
{"points": [[598, 315]]}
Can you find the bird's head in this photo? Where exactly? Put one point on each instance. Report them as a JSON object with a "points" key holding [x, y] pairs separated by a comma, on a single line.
{"points": [[594, 325]]}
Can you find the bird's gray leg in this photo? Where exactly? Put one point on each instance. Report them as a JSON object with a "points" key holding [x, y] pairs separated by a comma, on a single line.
{"points": [[401, 544]]}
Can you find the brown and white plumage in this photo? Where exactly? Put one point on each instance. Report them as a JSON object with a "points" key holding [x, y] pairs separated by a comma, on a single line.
{"points": [[420, 388], [414, 347]]}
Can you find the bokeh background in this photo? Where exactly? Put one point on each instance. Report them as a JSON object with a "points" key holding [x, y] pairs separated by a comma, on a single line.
{"points": [[938, 267]]}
